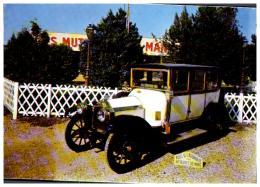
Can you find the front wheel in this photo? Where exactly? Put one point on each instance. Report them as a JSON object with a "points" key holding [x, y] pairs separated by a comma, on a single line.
{"points": [[78, 137], [122, 152]]}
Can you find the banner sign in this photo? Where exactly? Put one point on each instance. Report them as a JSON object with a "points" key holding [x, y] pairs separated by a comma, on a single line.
{"points": [[71, 40], [153, 47]]}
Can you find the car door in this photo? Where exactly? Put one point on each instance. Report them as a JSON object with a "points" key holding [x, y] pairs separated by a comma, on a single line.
{"points": [[197, 93], [180, 99]]}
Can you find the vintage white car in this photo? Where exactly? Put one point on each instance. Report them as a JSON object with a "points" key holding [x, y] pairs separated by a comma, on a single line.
{"points": [[162, 97]]}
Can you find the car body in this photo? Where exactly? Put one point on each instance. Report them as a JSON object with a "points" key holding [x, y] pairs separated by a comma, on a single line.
{"points": [[161, 96]]}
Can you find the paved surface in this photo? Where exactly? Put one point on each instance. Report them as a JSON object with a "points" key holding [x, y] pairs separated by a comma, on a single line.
{"points": [[35, 149]]}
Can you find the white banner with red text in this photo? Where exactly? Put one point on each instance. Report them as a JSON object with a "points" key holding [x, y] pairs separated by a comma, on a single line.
{"points": [[153, 47]]}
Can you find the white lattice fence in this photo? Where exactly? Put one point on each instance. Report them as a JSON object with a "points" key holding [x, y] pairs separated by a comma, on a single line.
{"points": [[242, 108], [34, 99], [45, 100], [63, 97], [11, 96]]}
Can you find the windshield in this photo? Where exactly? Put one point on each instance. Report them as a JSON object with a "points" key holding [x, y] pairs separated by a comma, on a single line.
{"points": [[150, 78]]}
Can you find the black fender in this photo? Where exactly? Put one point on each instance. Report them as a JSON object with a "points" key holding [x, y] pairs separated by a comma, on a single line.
{"points": [[219, 111], [121, 94], [137, 127], [131, 124], [218, 108]]}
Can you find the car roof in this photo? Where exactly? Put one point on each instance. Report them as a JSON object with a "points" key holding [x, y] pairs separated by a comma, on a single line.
{"points": [[173, 66]]}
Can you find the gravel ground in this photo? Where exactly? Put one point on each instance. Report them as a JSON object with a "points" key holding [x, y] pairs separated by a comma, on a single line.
{"points": [[35, 149]]}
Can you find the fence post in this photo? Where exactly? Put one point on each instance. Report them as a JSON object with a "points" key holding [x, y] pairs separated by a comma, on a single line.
{"points": [[240, 108], [49, 101], [15, 100]]}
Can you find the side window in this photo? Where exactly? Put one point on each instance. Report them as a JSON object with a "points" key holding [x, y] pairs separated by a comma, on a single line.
{"points": [[180, 80], [150, 79], [197, 80], [211, 80]]}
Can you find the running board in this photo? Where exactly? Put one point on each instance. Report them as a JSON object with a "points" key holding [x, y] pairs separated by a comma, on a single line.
{"points": [[187, 134]]}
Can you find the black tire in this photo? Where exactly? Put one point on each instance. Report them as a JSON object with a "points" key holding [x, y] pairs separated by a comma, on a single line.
{"points": [[77, 136], [122, 152]]}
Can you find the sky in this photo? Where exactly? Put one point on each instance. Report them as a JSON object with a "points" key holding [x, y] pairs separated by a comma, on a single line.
{"points": [[73, 18]]}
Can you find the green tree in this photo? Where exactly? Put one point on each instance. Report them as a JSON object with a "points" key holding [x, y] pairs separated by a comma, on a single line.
{"points": [[218, 41], [63, 65], [20, 56], [210, 37], [178, 39], [35, 29], [250, 59], [114, 50], [29, 58]]}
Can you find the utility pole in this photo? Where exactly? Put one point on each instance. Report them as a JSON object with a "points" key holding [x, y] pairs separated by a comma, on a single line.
{"points": [[242, 81], [161, 46], [89, 32], [128, 18], [177, 46]]}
